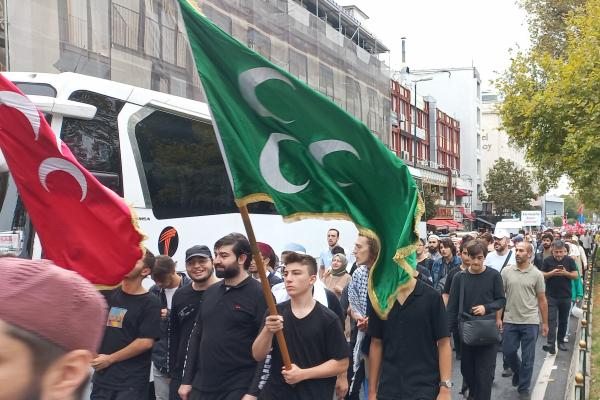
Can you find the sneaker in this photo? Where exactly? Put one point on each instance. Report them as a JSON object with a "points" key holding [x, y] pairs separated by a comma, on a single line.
{"points": [[562, 347], [549, 348], [507, 372], [515, 380]]}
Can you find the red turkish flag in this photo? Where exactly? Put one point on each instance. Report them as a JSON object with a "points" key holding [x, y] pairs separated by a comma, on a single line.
{"points": [[83, 226]]}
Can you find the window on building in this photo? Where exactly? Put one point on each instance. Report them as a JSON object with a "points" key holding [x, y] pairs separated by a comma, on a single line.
{"points": [[221, 20], [478, 167], [184, 171], [326, 80], [372, 116], [95, 142], [259, 43], [298, 65], [353, 98]]}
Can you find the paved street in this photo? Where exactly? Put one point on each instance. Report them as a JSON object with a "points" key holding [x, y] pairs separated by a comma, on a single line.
{"points": [[541, 388]]}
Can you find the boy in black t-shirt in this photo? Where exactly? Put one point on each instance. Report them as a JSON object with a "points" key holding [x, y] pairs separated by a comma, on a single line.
{"points": [[314, 337], [122, 367]]}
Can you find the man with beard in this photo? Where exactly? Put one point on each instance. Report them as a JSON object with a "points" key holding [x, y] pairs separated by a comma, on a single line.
{"points": [[525, 301], [51, 323], [122, 366], [326, 256], [219, 363], [544, 251], [186, 302], [501, 256], [558, 271], [433, 245]]}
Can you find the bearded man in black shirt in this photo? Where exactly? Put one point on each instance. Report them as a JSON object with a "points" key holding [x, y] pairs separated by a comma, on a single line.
{"points": [[558, 271], [219, 363], [314, 336]]}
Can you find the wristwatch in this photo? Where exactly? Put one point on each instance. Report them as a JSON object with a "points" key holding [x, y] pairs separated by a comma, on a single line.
{"points": [[447, 384]]}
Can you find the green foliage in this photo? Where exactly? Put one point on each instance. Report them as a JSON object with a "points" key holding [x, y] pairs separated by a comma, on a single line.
{"points": [[557, 221], [508, 186], [430, 199], [552, 95]]}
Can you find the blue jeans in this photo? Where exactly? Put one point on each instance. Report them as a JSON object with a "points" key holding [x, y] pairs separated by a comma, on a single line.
{"points": [[524, 336]]}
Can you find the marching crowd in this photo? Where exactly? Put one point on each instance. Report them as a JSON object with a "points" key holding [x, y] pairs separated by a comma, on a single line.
{"points": [[207, 334]]}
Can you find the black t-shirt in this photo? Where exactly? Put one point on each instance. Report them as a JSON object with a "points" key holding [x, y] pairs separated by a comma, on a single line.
{"points": [[311, 341], [219, 357], [410, 365], [558, 286], [484, 289], [130, 317], [184, 309], [449, 278]]}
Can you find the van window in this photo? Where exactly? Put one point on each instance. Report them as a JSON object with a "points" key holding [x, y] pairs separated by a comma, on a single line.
{"points": [[36, 89], [185, 173], [95, 142]]}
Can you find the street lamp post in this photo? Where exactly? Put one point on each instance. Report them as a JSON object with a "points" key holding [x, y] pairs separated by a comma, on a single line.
{"points": [[415, 119], [415, 81]]}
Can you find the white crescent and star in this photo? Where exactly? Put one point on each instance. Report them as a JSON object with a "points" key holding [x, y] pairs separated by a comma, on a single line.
{"points": [[53, 164], [324, 147], [269, 165], [269, 156], [250, 79], [25, 106]]}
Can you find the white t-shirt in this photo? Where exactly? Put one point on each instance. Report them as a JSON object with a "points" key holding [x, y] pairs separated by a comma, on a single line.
{"points": [[496, 261], [169, 295]]}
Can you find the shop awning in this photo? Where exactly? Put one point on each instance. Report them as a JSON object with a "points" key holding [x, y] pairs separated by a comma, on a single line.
{"points": [[460, 193], [449, 224], [486, 222], [467, 215]]}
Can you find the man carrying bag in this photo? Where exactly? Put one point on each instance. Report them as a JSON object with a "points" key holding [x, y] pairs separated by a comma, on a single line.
{"points": [[475, 296]]}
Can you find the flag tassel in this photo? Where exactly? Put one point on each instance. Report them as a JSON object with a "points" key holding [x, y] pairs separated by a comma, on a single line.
{"points": [[285, 355]]}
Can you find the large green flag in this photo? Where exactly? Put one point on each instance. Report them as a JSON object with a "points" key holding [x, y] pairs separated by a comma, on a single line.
{"points": [[285, 143]]}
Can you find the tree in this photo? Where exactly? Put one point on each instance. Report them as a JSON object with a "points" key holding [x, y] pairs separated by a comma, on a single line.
{"points": [[552, 95], [430, 199], [508, 187], [557, 221]]}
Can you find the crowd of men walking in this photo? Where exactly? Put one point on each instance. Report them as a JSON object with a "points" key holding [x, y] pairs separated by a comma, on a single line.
{"points": [[206, 334]]}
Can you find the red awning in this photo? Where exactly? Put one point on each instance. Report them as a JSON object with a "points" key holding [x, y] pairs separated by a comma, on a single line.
{"points": [[460, 193], [468, 215], [449, 224]]}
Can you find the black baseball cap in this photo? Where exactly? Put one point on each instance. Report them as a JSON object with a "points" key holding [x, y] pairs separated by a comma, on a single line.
{"points": [[198, 251]]}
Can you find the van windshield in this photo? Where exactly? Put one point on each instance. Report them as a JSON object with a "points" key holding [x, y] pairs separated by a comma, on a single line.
{"points": [[185, 173]]}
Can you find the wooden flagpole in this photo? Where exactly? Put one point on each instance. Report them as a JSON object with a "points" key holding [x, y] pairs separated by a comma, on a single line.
{"points": [[262, 272]]}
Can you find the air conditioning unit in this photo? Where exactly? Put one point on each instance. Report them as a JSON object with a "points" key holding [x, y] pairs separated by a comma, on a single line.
{"points": [[405, 155]]}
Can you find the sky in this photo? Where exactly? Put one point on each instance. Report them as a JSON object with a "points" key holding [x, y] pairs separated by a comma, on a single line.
{"points": [[448, 33]]}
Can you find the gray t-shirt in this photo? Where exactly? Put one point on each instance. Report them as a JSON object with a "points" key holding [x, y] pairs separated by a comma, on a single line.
{"points": [[522, 289]]}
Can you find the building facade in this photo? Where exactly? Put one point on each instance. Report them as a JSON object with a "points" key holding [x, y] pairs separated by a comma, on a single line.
{"points": [[429, 141], [494, 140], [143, 43], [458, 92]]}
